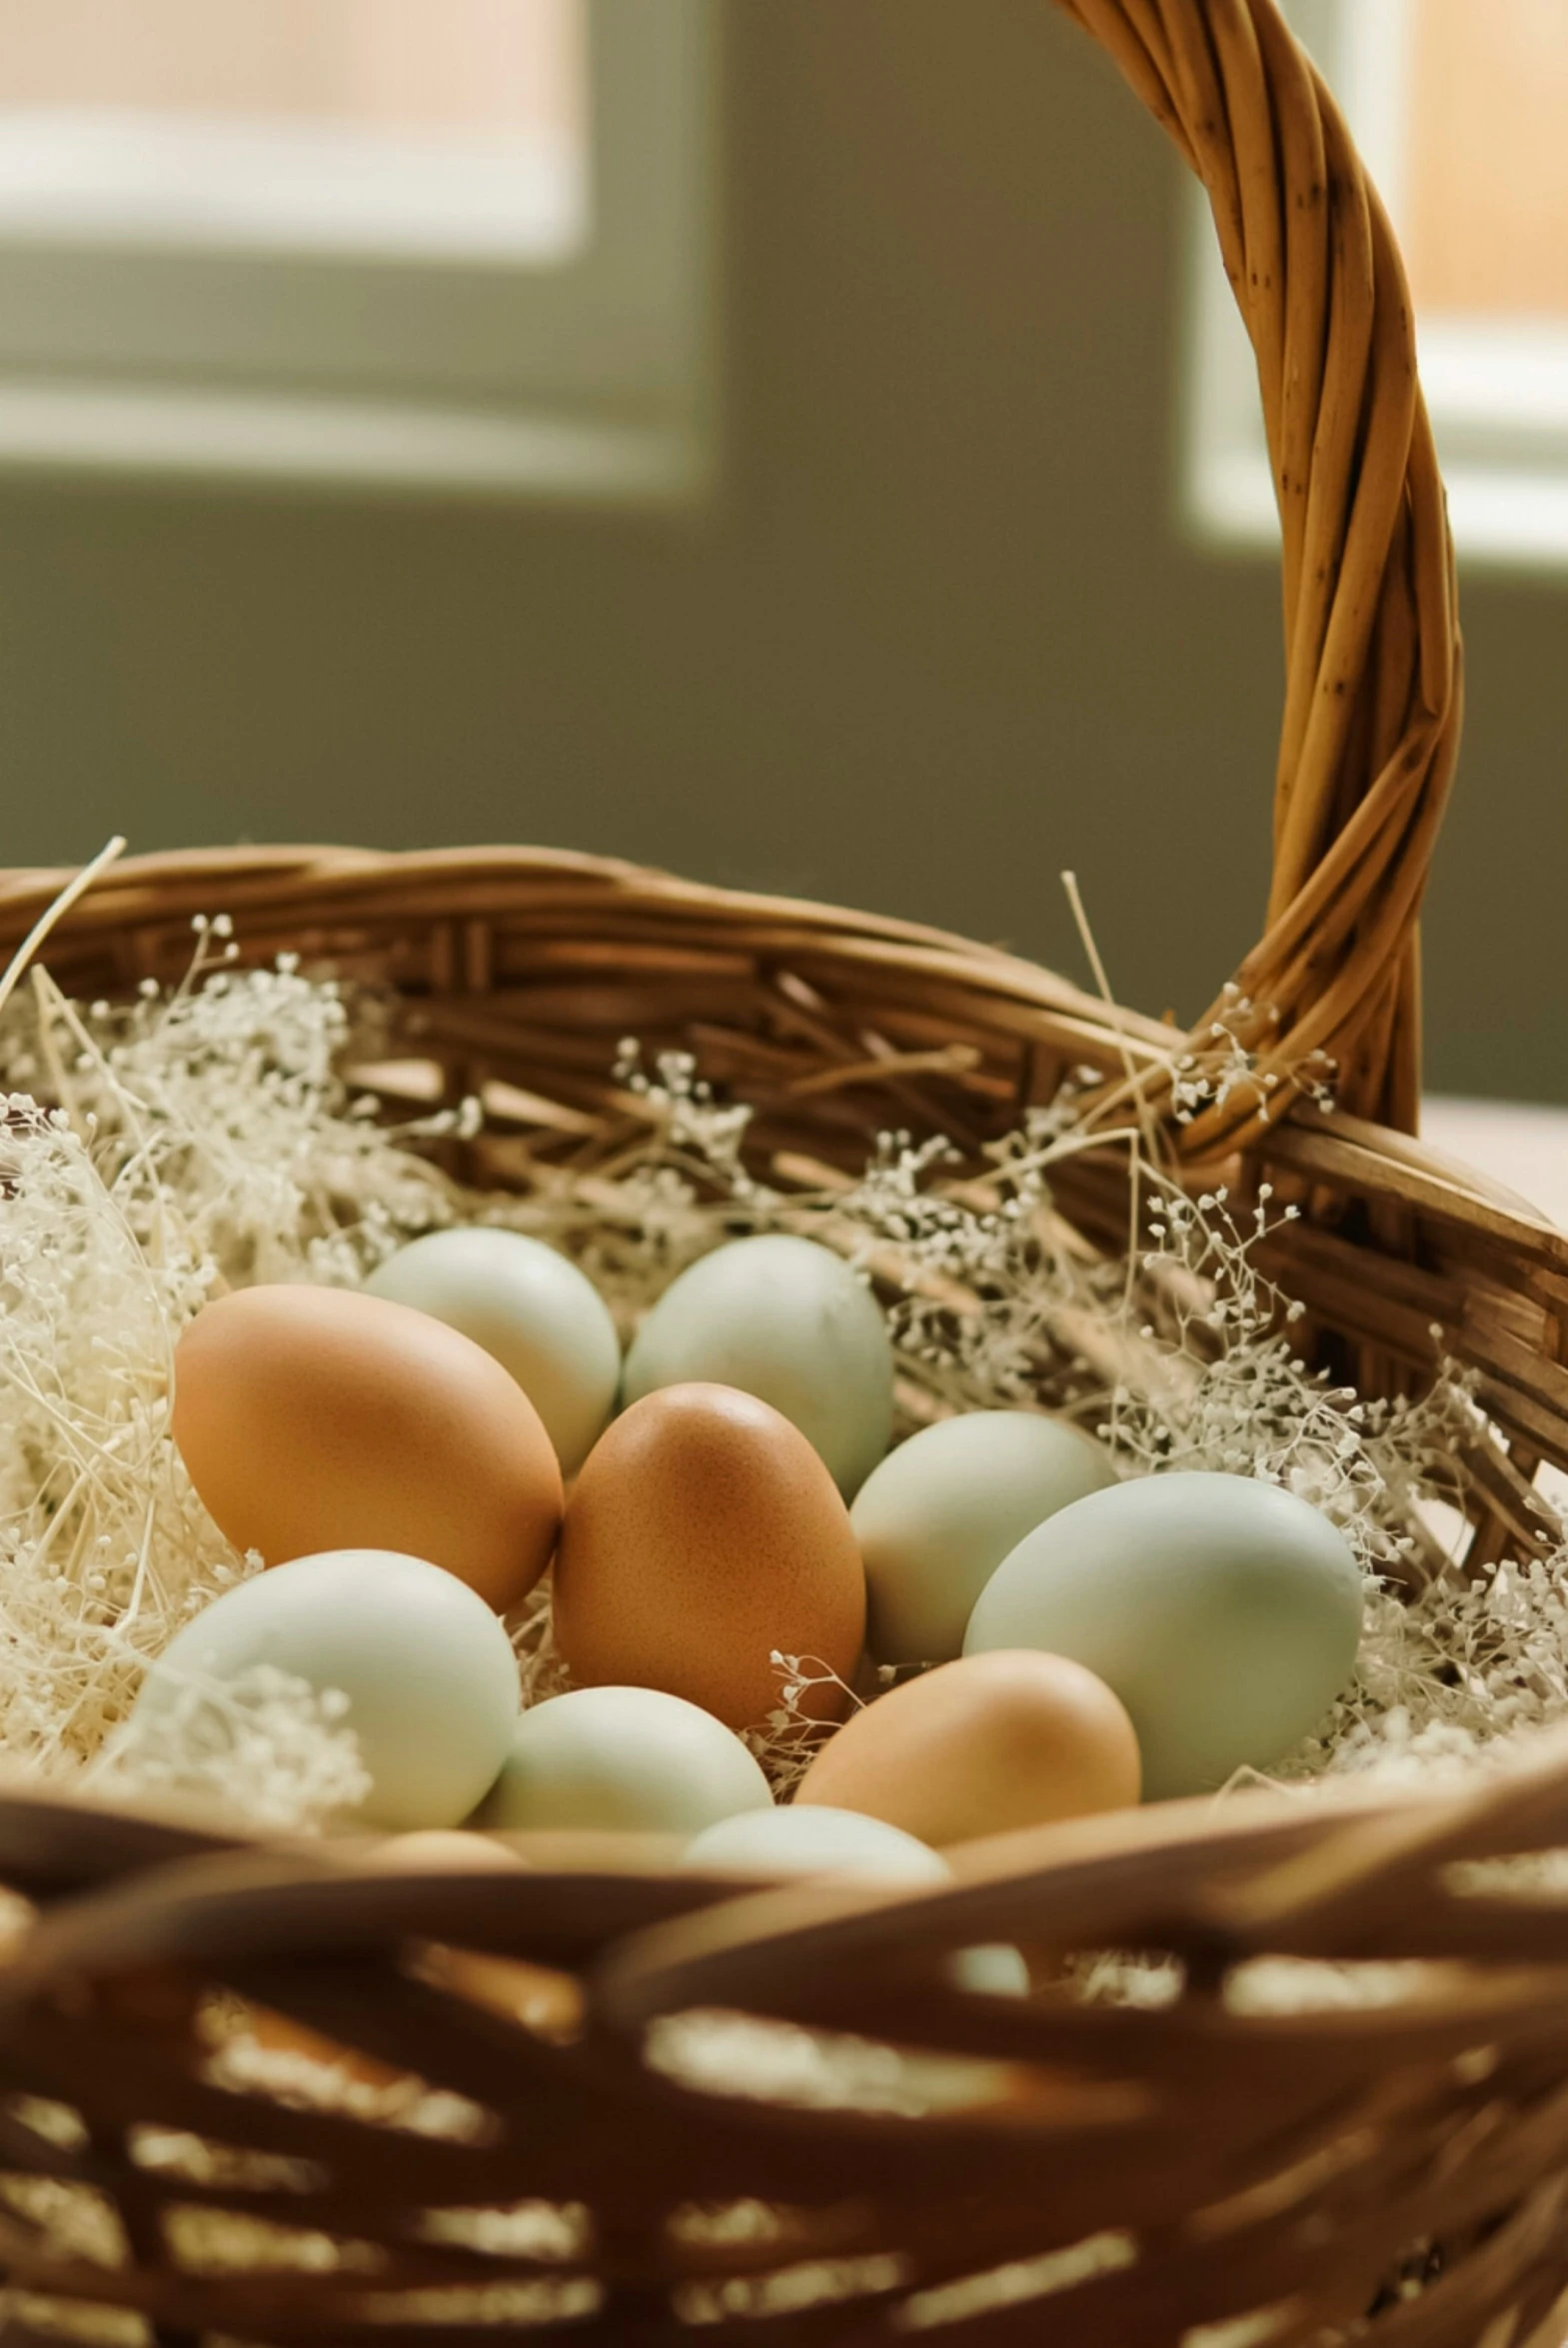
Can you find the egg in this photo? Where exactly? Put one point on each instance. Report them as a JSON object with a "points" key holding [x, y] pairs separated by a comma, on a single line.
{"points": [[529, 1307], [996, 1969], [789, 1321], [938, 1516], [818, 1841], [621, 1759], [980, 1747], [446, 1850], [313, 1420], [428, 1670], [821, 1841], [1225, 1613], [704, 1537]]}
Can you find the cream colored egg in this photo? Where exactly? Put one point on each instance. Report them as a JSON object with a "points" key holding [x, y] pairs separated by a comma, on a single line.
{"points": [[938, 1515], [527, 1307], [628, 1759], [428, 1672], [789, 1322], [985, 1745], [1225, 1612]]}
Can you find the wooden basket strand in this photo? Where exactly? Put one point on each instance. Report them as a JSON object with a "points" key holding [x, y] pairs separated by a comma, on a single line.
{"points": [[1373, 693]]}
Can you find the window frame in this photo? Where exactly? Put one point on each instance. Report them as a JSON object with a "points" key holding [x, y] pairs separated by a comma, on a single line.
{"points": [[587, 372], [1497, 390]]}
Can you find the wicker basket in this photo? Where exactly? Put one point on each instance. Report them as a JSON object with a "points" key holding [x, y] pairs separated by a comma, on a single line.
{"points": [[1216, 2159]]}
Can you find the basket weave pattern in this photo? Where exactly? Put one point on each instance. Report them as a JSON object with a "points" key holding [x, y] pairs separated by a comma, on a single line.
{"points": [[1220, 2158]]}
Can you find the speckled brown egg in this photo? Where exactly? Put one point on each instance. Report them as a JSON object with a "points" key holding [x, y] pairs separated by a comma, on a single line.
{"points": [[702, 1536], [316, 1419], [991, 1742]]}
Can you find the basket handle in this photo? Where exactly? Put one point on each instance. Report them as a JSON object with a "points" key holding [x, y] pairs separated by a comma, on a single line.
{"points": [[1373, 696]]}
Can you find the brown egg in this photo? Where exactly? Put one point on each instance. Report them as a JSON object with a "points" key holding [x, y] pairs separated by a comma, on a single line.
{"points": [[981, 1746], [704, 1534], [319, 1419]]}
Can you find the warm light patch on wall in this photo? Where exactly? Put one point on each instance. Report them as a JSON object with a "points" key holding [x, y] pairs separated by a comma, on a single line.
{"points": [[1485, 197], [451, 244], [449, 65]]}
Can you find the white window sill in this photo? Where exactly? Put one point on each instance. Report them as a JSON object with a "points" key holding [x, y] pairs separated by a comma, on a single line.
{"points": [[274, 437], [1502, 520], [124, 180]]}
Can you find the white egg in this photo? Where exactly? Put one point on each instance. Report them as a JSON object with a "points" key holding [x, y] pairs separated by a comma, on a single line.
{"points": [[541, 1319], [622, 1758], [937, 1519], [1225, 1612], [789, 1321], [816, 1842], [825, 1841], [994, 1970], [428, 1670]]}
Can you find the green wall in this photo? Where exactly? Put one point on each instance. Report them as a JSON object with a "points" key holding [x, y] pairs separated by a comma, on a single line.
{"points": [[937, 638]]}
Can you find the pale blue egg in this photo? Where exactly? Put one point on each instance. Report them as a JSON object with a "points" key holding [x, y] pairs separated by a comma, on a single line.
{"points": [[938, 1515], [428, 1670], [623, 1759], [530, 1308], [817, 1839], [1223, 1611], [788, 1320]]}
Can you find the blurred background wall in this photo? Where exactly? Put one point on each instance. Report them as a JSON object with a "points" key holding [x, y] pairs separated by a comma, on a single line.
{"points": [[937, 636]]}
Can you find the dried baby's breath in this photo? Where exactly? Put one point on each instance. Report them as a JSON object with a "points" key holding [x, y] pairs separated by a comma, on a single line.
{"points": [[152, 1151], [793, 1733], [265, 1747], [149, 1154]]}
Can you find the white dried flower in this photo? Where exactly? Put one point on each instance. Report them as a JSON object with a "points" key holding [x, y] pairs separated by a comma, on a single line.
{"points": [[265, 1749], [151, 1148]]}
